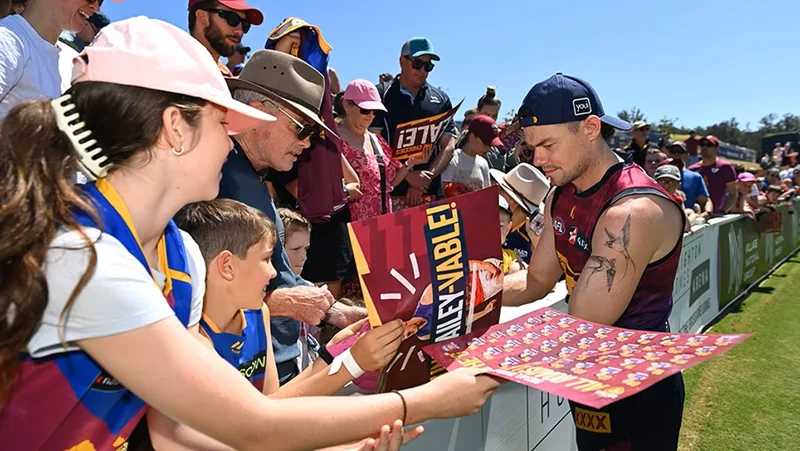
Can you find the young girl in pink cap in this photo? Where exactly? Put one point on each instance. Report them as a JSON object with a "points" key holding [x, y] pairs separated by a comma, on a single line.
{"points": [[98, 288]]}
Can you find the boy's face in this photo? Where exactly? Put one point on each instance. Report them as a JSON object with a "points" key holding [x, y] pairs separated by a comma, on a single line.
{"points": [[505, 226], [253, 274], [297, 249]]}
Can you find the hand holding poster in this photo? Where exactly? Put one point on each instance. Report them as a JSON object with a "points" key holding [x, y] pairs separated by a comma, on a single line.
{"points": [[417, 137], [437, 267], [589, 363]]}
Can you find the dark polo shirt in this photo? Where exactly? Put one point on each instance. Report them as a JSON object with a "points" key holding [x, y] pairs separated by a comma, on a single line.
{"points": [[403, 107]]}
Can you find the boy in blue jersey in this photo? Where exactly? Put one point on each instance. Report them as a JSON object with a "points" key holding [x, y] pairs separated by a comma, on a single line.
{"points": [[236, 241]]}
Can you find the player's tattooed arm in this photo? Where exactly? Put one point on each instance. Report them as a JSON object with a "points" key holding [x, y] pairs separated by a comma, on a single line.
{"points": [[628, 236], [620, 242], [601, 264]]}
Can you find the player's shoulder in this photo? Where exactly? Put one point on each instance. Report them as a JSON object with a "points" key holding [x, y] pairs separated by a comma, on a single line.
{"points": [[646, 209]]}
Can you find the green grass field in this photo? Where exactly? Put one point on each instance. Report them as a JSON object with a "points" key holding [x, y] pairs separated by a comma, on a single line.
{"points": [[749, 398]]}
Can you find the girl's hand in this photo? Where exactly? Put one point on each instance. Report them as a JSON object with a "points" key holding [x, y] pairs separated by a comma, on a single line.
{"points": [[390, 439]]}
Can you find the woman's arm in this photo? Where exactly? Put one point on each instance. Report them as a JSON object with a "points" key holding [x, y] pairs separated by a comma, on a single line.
{"points": [[349, 173], [176, 375]]}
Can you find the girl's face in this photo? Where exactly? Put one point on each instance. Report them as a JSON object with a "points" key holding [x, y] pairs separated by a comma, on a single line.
{"points": [[198, 171], [73, 14], [490, 110]]}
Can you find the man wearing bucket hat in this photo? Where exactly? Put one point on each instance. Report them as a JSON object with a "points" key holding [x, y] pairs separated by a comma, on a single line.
{"points": [[524, 188], [292, 91], [600, 221]]}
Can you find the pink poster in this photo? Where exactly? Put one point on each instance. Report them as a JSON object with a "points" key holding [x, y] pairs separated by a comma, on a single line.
{"points": [[589, 363]]}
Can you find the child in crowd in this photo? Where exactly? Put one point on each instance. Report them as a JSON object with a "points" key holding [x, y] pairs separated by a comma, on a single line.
{"points": [[669, 177], [774, 192], [236, 242], [297, 238], [511, 262], [296, 241]]}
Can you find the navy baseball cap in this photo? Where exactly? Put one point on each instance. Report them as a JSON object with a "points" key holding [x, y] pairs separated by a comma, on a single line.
{"points": [[561, 99], [416, 47]]}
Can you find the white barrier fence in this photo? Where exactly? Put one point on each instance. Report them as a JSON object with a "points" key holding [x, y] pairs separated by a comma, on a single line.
{"points": [[520, 418]]}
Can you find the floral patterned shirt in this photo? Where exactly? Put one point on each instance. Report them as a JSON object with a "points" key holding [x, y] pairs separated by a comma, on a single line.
{"points": [[366, 166]]}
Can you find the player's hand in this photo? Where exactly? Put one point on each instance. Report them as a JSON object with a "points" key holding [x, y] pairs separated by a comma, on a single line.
{"points": [[376, 348]]}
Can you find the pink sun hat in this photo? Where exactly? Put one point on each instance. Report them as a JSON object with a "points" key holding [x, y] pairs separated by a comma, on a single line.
{"points": [[364, 94], [153, 54]]}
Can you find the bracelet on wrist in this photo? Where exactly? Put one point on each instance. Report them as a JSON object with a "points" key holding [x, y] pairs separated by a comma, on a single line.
{"points": [[405, 406]]}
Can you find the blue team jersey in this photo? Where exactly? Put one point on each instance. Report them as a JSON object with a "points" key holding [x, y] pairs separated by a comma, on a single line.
{"points": [[67, 401], [248, 351], [519, 242]]}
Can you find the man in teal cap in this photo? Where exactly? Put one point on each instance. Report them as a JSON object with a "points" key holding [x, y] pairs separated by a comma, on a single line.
{"points": [[407, 98]]}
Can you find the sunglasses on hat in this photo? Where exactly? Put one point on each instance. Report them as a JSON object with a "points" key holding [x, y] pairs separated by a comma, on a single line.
{"points": [[231, 18], [418, 64]]}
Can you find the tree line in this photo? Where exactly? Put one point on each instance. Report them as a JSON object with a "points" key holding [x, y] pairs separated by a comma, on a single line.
{"points": [[729, 130]]}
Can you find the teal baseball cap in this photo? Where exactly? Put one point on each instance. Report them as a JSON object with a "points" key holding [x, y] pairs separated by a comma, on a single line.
{"points": [[416, 47]]}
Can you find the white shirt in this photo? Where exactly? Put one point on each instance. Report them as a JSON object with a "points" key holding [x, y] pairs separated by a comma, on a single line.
{"points": [[119, 297], [28, 65], [472, 172], [65, 63]]}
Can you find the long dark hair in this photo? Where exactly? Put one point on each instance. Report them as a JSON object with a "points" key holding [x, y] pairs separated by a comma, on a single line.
{"points": [[37, 196]]}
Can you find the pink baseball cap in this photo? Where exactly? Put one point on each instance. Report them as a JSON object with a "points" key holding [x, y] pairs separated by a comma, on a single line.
{"points": [[364, 94], [152, 54], [746, 177]]}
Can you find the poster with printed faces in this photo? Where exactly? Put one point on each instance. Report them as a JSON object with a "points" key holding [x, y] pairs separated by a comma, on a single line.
{"points": [[585, 362]]}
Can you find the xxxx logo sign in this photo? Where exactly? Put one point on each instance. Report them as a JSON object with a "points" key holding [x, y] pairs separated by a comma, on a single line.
{"points": [[599, 422]]}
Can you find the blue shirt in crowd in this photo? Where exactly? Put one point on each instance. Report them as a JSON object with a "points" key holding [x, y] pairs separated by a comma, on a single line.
{"points": [[692, 185]]}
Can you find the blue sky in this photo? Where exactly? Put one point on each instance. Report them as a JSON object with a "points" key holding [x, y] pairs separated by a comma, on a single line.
{"points": [[700, 61]]}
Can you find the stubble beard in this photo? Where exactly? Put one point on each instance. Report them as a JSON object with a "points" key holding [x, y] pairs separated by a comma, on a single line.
{"points": [[216, 39]]}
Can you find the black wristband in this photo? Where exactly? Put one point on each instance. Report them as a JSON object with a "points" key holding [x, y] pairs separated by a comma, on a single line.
{"points": [[405, 406], [325, 355]]}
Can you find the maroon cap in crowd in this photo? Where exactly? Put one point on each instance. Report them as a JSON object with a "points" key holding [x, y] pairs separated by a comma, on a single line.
{"points": [[712, 139], [485, 128], [254, 16]]}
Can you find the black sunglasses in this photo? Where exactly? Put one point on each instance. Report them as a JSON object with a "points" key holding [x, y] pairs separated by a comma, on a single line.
{"points": [[363, 111], [231, 18], [418, 64], [303, 130]]}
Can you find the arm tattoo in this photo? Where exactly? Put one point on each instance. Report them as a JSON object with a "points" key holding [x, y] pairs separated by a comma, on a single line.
{"points": [[603, 264], [621, 242]]}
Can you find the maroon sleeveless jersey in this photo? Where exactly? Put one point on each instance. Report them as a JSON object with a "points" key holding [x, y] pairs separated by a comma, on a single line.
{"points": [[574, 218]]}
